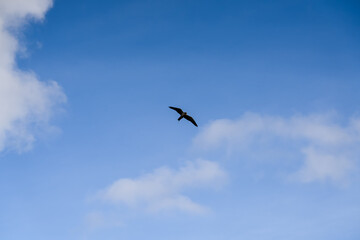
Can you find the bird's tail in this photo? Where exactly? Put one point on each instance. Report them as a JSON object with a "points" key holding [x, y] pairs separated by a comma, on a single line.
{"points": [[180, 118]]}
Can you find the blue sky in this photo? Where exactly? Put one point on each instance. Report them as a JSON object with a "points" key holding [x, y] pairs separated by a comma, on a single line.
{"points": [[89, 149]]}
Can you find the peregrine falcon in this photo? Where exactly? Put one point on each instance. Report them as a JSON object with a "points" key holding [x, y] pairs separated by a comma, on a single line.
{"points": [[184, 115]]}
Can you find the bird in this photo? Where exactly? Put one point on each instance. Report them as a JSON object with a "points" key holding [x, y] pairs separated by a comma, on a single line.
{"points": [[184, 115]]}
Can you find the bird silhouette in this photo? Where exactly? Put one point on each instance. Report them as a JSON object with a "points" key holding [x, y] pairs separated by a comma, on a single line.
{"points": [[184, 115]]}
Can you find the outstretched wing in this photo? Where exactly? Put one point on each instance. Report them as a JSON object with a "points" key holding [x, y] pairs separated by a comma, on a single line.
{"points": [[177, 109], [187, 117]]}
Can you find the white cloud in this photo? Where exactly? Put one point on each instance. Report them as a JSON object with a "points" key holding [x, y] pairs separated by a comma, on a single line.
{"points": [[321, 165], [18, 9], [329, 149], [163, 188], [26, 102]]}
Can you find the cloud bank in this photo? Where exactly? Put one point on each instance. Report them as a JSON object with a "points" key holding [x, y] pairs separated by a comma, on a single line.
{"points": [[25, 102], [328, 148], [163, 188]]}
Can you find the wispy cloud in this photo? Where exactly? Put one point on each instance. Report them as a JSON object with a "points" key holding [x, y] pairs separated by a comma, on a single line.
{"points": [[25, 101], [329, 148], [98, 220], [163, 188]]}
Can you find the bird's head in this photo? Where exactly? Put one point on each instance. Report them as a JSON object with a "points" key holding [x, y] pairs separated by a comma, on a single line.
{"points": [[185, 113]]}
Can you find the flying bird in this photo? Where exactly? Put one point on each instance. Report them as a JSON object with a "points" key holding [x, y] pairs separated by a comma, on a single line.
{"points": [[184, 115]]}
